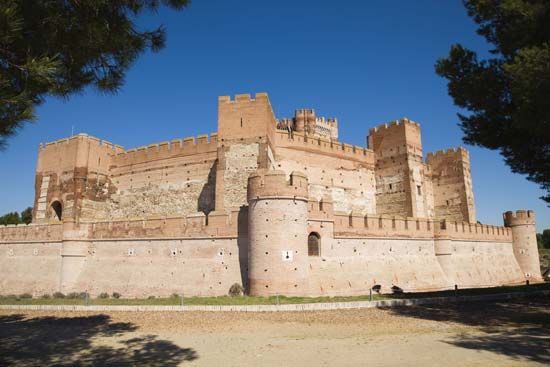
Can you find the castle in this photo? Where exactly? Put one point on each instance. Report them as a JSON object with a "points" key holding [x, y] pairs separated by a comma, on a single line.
{"points": [[279, 206]]}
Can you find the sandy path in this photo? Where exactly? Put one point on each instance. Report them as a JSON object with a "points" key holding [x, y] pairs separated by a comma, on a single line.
{"points": [[496, 334]]}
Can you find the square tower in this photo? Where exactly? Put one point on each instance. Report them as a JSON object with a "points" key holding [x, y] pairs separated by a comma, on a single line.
{"points": [[452, 185], [399, 169]]}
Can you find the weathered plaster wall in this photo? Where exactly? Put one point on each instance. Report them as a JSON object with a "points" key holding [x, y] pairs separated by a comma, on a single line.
{"points": [[30, 267], [471, 264], [351, 266], [193, 267]]}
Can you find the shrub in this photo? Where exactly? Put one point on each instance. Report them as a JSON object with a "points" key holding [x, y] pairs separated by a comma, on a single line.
{"points": [[25, 296], [175, 295], [115, 295], [46, 296], [104, 295], [151, 297], [76, 295], [58, 295], [236, 290]]}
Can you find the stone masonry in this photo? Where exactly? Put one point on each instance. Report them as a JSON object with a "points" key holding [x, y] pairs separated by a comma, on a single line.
{"points": [[280, 206]]}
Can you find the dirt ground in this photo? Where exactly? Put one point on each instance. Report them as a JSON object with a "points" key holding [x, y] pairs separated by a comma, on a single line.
{"points": [[511, 333]]}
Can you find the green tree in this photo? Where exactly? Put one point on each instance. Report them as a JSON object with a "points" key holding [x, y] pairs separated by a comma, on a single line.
{"points": [[10, 218], [59, 47], [26, 215], [545, 238], [507, 95]]}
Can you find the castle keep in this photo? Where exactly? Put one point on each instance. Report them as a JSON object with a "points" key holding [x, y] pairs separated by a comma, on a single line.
{"points": [[277, 205]]}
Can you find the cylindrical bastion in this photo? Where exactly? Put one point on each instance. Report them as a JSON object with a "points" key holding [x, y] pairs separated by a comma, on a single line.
{"points": [[277, 232]]}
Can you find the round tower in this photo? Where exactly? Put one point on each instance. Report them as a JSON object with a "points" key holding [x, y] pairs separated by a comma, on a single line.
{"points": [[277, 234], [524, 238]]}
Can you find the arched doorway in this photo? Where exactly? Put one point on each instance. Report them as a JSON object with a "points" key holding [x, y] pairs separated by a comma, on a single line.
{"points": [[314, 244], [57, 209]]}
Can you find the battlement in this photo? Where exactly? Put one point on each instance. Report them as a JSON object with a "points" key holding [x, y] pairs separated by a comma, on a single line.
{"points": [[196, 225], [321, 209], [167, 149], [305, 112], [273, 183], [328, 121], [243, 98], [520, 217], [355, 224], [325, 146], [472, 231], [458, 152], [92, 139], [393, 125]]}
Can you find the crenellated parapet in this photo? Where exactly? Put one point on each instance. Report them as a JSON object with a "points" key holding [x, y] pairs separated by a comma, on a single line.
{"points": [[245, 119], [519, 218], [457, 152], [274, 183], [187, 146], [472, 231], [394, 226], [196, 225], [95, 142], [324, 146], [392, 125]]}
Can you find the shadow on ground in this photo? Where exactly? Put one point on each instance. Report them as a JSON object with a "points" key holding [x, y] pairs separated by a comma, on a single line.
{"points": [[519, 329], [68, 341]]}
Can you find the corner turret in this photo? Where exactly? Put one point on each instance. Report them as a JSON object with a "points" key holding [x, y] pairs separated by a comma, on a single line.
{"points": [[524, 236]]}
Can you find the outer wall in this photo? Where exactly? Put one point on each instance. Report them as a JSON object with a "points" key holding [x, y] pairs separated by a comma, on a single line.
{"points": [[30, 267], [199, 267], [204, 267]]}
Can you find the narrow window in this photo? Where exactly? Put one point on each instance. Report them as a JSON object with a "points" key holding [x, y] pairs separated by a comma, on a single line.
{"points": [[390, 187], [419, 189], [313, 244]]}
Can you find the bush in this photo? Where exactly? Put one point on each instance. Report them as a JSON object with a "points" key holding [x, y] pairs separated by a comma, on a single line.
{"points": [[46, 296], [151, 297], [58, 295], [236, 290], [76, 295], [104, 295], [25, 296], [175, 295], [115, 295]]}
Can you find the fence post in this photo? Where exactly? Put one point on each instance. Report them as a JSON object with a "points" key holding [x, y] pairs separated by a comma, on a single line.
{"points": [[456, 292]]}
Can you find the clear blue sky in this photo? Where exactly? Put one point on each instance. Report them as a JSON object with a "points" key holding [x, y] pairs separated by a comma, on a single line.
{"points": [[365, 62]]}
